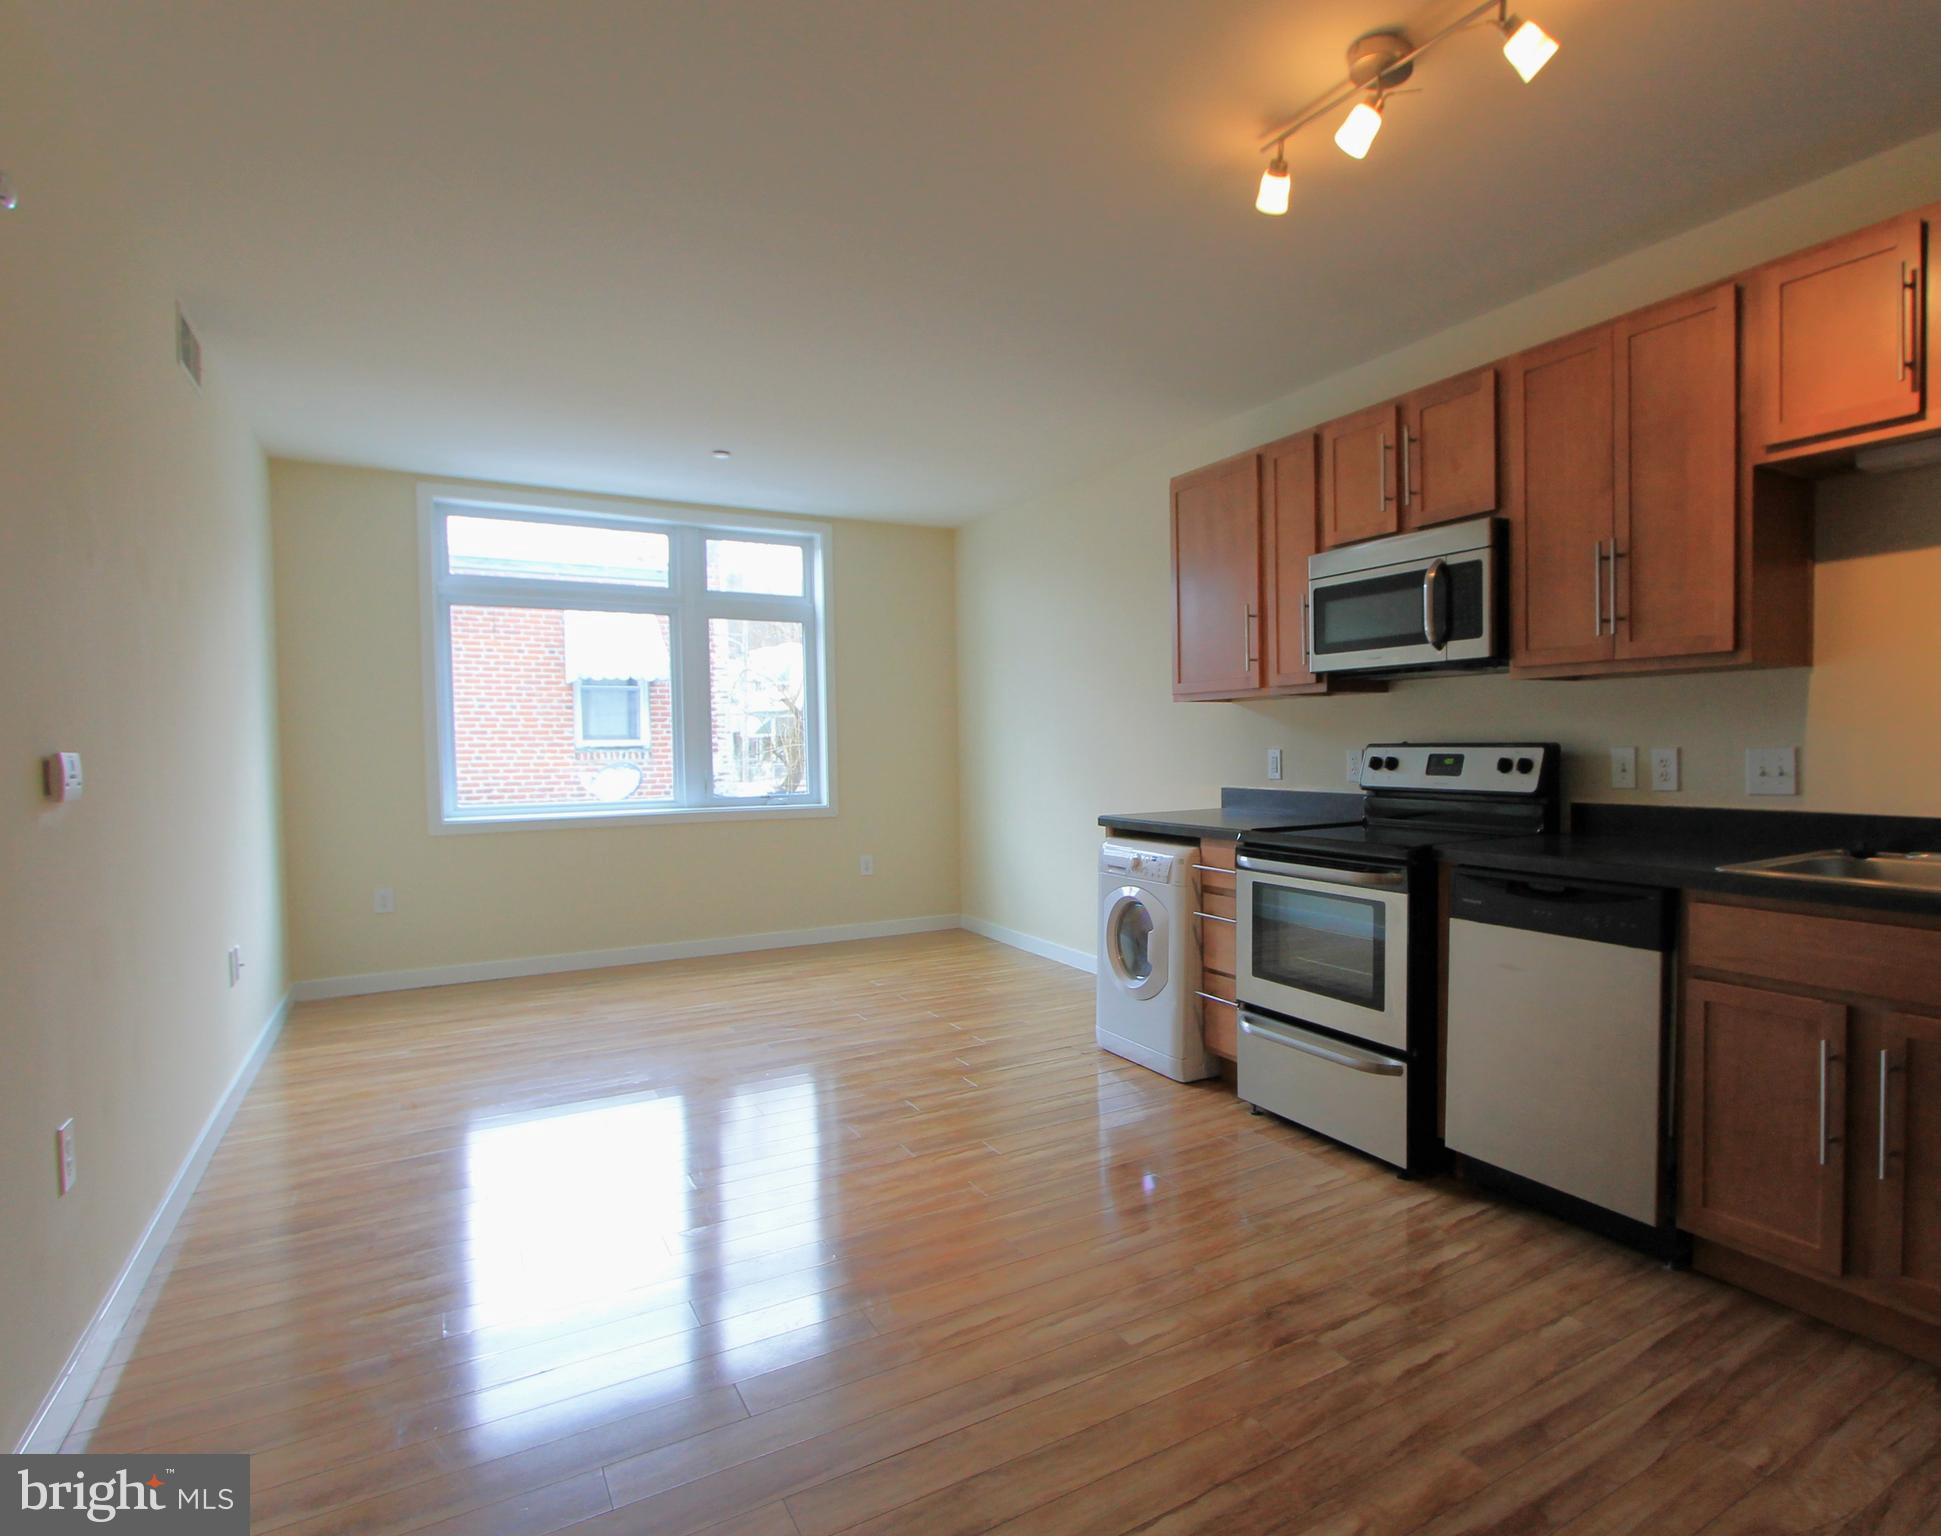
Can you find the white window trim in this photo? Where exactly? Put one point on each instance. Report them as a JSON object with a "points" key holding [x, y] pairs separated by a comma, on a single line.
{"points": [[688, 650]]}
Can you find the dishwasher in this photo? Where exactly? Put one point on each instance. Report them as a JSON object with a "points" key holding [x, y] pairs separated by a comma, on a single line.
{"points": [[1557, 1083]]}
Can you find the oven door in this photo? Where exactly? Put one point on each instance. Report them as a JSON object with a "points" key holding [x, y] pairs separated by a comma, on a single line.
{"points": [[1423, 614], [1325, 946]]}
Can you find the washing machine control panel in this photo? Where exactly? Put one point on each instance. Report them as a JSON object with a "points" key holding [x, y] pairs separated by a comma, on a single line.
{"points": [[1138, 863]]}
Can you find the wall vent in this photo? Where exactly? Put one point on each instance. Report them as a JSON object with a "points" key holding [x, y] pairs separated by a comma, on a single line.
{"points": [[188, 348]]}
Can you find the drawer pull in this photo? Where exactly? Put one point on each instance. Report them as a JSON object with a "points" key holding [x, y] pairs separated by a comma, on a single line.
{"points": [[1224, 1002], [1213, 869], [1214, 917]]}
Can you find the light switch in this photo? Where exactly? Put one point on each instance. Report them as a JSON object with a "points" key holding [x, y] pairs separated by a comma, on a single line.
{"points": [[1772, 770], [1624, 767], [1273, 762]]}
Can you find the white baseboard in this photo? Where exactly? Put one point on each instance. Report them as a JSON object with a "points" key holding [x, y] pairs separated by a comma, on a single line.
{"points": [[599, 959], [64, 1400], [1077, 959]]}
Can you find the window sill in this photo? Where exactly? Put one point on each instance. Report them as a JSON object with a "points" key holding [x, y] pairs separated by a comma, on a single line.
{"points": [[522, 821]]}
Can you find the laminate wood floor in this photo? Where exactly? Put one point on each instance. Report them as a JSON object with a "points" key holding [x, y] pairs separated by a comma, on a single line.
{"points": [[871, 1238]]}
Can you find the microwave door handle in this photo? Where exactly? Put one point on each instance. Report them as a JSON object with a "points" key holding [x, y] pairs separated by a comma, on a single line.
{"points": [[1435, 628]]}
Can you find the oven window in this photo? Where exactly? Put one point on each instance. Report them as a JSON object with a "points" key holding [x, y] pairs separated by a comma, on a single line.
{"points": [[1382, 612], [1313, 941]]}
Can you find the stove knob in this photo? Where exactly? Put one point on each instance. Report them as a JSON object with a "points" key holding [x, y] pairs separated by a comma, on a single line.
{"points": [[1502, 765], [1393, 763], [1525, 765]]}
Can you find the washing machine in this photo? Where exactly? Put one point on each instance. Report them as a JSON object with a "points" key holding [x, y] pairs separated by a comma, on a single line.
{"points": [[1149, 957]]}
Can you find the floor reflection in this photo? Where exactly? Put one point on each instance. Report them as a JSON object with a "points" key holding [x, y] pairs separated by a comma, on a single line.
{"points": [[574, 1203]]}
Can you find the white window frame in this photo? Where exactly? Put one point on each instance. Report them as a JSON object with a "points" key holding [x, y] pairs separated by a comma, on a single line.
{"points": [[584, 743], [688, 606]]}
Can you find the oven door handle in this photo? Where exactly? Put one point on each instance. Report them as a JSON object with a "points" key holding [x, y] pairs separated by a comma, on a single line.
{"points": [[1349, 1056], [1379, 879]]}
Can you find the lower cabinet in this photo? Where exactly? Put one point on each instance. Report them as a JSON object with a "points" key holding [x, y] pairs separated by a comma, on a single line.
{"points": [[1219, 1009], [1810, 1106]]}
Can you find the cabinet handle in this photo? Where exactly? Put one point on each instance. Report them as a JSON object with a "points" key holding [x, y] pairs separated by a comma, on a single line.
{"points": [[1214, 917], [1597, 588], [1911, 316], [1247, 639], [1880, 1166], [1224, 1002], [1408, 440], [1382, 494], [1826, 1141], [1613, 606], [1307, 637]]}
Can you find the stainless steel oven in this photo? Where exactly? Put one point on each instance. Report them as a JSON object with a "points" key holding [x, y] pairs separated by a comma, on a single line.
{"points": [[1326, 945], [1408, 603]]}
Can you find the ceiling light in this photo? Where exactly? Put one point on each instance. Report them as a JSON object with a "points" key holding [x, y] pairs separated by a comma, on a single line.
{"points": [[1527, 46], [1358, 129], [1274, 185], [723, 453]]}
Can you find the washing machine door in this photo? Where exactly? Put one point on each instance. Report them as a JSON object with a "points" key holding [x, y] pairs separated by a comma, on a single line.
{"points": [[1134, 941]]}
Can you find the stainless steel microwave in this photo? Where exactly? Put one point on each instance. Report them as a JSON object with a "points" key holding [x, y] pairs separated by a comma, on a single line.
{"points": [[1411, 602]]}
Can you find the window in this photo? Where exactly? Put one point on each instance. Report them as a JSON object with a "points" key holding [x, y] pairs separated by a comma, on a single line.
{"points": [[591, 665]]}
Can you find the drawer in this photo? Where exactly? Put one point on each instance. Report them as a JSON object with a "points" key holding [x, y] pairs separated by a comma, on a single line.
{"points": [[1215, 867], [1219, 1027], [1831, 954], [1218, 984], [1216, 903], [1216, 944], [1341, 1090]]}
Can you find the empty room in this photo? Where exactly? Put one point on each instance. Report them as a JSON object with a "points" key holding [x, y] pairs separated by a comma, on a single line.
{"points": [[842, 769]]}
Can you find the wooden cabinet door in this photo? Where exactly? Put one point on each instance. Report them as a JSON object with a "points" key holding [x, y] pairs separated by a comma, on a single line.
{"points": [[1291, 522], [1902, 1080], [1448, 458], [1358, 483], [1559, 435], [1844, 325], [1216, 580], [1674, 560], [1762, 1132]]}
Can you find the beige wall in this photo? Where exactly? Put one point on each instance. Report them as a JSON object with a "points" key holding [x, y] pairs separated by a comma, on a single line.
{"points": [[134, 628], [1064, 644], [353, 734]]}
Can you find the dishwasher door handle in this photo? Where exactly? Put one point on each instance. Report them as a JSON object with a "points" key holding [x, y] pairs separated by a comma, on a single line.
{"points": [[1341, 1055]]}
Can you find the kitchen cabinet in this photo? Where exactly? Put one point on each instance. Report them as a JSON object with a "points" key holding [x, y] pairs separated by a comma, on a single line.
{"points": [[1359, 488], [1560, 433], [1810, 1110], [1216, 580], [1902, 1073], [1843, 331], [1219, 1008], [1287, 480], [1675, 524], [1624, 491], [1762, 1141], [1448, 457]]}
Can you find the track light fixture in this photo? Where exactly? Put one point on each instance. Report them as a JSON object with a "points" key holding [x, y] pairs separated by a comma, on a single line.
{"points": [[1377, 64]]}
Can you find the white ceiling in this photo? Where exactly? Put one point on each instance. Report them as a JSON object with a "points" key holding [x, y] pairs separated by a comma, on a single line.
{"points": [[907, 259]]}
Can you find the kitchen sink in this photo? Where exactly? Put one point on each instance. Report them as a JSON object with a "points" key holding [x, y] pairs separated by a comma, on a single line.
{"points": [[1890, 871]]}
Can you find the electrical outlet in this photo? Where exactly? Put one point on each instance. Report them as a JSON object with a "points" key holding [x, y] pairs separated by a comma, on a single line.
{"points": [[60, 776], [1664, 768], [1624, 767], [868, 865], [384, 900], [235, 964], [1772, 770], [1354, 766], [1273, 762], [64, 1151]]}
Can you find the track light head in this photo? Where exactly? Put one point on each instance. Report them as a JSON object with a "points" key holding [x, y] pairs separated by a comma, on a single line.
{"points": [[1358, 129], [1274, 186], [1527, 46]]}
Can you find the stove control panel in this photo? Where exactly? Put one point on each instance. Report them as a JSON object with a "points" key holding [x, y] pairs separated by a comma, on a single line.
{"points": [[1488, 768]]}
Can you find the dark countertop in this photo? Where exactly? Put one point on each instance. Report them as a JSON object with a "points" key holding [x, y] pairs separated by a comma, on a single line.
{"points": [[1683, 850], [1242, 810]]}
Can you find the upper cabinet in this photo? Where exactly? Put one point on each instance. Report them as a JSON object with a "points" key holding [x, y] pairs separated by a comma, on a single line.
{"points": [[1360, 495], [1631, 530], [1842, 333], [1288, 488], [1216, 580], [1429, 457], [1448, 459]]}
